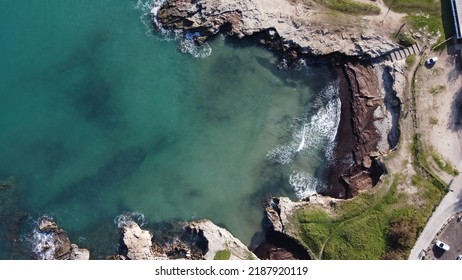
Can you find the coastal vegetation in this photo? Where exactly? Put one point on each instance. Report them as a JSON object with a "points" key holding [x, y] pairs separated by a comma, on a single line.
{"points": [[424, 16], [351, 7], [410, 61], [381, 224], [222, 255]]}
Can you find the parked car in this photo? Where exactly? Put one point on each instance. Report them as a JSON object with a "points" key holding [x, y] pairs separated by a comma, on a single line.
{"points": [[442, 245], [459, 257], [431, 61]]}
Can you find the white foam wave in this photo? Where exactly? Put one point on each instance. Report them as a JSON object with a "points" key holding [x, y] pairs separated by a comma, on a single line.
{"points": [[149, 10], [188, 45], [304, 184], [312, 134], [43, 245], [126, 218]]}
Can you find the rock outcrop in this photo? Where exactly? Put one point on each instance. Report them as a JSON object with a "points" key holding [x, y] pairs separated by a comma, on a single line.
{"points": [[138, 243], [281, 235], [218, 239], [196, 240], [365, 99], [279, 210], [289, 24], [52, 243]]}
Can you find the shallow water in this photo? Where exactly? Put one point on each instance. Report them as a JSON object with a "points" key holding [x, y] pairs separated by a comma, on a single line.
{"points": [[99, 118]]}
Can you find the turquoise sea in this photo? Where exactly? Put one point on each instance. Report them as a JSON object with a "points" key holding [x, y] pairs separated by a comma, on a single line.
{"points": [[98, 117]]}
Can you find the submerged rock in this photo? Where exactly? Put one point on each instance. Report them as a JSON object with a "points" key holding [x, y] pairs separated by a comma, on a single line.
{"points": [[52, 243]]}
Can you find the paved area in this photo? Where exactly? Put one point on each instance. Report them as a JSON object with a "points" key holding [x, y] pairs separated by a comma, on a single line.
{"points": [[451, 234], [450, 204]]}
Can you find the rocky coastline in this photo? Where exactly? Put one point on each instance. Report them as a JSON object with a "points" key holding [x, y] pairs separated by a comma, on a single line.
{"points": [[369, 88], [366, 131]]}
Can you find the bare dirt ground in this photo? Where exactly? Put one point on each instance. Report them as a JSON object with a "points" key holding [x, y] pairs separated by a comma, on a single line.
{"points": [[439, 99], [439, 93]]}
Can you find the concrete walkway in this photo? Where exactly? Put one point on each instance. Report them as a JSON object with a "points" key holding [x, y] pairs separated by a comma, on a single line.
{"points": [[450, 204]]}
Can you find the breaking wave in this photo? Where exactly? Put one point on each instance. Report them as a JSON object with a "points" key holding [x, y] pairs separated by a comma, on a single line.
{"points": [[149, 10], [309, 137], [128, 217], [304, 184], [41, 243]]}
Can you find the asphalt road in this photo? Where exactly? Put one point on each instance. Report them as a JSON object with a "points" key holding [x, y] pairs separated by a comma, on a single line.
{"points": [[450, 204]]}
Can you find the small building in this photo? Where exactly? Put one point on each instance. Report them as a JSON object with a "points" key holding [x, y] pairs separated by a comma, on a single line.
{"points": [[457, 13]]}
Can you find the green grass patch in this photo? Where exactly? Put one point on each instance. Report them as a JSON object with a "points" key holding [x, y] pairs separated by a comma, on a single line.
{"points": [[405, 39], [432, 24], [222, 255], [442, 163], [424, 16], [361, 239], [410, 60], [351, 7], [359, 228], [422, 166], [413, 6]]}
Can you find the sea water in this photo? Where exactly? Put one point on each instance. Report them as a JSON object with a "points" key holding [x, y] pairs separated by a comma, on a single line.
{"points": [[99, 116]]}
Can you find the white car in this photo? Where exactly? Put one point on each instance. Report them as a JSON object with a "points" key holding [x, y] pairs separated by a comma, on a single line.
{"points": [[442, 245], [459, 257], [431, 61]]}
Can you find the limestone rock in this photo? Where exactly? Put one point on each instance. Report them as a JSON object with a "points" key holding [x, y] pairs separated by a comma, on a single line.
{"points": [[79, 254], [138, 243], [290, 20], [218, 239]]}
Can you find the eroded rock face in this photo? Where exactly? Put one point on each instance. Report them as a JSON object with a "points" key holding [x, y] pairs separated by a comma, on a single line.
{"points": [[366, 98], [218, 239], [52, 243], [282, 237], [280, 209], [289, 22]]}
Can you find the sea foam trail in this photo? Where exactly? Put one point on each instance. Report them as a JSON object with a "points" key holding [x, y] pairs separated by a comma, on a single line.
{"points": [[310, 136], [126, 218]]}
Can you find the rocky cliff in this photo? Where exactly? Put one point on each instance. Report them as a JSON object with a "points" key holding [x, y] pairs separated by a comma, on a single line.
{"points": [[289, 23], [219, 240], [197, 240]]}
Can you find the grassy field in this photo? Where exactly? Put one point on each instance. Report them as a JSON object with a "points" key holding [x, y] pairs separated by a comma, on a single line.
{"points": [[375, 225], [350, 7]]}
